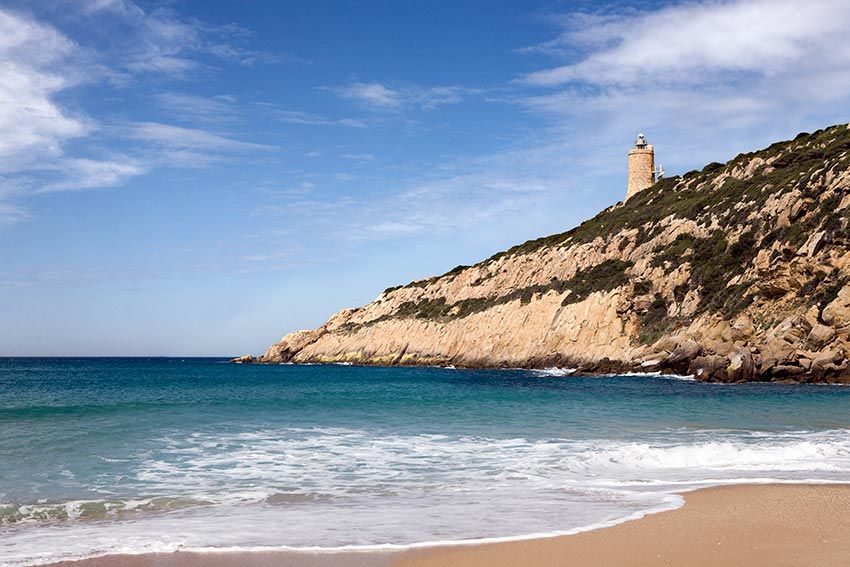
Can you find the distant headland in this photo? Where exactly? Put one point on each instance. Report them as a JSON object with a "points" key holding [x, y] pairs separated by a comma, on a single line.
{"points": [[737, 272]]}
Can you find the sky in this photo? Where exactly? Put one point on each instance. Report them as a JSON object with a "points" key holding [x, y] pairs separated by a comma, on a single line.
{"points": [[190, 178]]}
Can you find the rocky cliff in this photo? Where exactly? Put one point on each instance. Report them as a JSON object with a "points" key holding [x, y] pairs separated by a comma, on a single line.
{"points": [[740, 271]]}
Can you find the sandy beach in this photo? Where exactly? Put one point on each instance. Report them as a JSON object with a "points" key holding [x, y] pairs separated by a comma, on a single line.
{"points": [[761, 525]]}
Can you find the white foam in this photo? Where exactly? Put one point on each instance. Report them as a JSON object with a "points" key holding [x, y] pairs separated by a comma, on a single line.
{"points": [[341, 488], [554, 371], [131, 544]]}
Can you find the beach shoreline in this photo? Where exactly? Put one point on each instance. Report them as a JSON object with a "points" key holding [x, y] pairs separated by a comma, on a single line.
{"points": [[745, 524]]}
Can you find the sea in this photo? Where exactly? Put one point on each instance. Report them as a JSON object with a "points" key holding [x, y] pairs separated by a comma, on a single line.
{"points": [[116, 455]]}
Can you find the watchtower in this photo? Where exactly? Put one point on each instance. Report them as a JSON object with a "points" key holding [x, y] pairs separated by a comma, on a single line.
{"points": [[641, 166]]}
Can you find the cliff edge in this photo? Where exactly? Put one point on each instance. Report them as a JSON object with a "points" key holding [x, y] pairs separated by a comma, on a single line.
{"points": [[737, 272]]}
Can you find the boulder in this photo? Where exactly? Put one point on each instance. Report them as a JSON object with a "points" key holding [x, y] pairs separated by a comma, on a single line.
{"points": [[792, 330], [709, 368], [837, 313], [683, 353], [819, 336], [775, 352], [812, 316], [786, 371], [741, 366], [812, 245], [826, 360], [244, 359], [742, 328]]}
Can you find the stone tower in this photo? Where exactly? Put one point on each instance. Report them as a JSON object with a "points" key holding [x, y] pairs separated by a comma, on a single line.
{"points": [[641, 166]]}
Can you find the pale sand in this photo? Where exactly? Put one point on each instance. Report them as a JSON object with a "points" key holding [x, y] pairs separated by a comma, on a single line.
{"points": [[738, 525], [753, 526]]}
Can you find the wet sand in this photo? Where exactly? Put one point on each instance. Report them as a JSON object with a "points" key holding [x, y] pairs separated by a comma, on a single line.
{"points": [[754, 526]]}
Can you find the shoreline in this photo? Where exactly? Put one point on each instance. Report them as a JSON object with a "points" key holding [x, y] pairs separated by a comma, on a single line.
{"points": [[598, 369], [808, 521]]}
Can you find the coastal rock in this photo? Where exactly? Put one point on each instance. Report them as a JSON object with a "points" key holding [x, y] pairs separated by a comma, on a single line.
{"points": [[741, 366], [710, 368], [812, 245], [827, 360], [684, 351], [786, 372], [819, 336], [837, 313], [290, 345], [245, 358]]}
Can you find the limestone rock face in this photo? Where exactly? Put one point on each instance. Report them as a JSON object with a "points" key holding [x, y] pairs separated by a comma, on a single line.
{"points": [[737, 272]]}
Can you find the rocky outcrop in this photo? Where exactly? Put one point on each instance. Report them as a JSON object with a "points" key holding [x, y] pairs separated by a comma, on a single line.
{"points": [[737, 272]]}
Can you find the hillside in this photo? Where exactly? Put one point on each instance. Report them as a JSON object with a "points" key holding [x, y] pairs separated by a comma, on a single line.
{"points": [[736, 272]]}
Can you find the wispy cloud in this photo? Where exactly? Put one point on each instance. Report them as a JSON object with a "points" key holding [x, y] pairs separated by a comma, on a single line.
{"points": [[274, 112], [179, 138], [372, 95], [465, 196], [380, 97], [160, 41], [358, 157], [271, 257], [10, 212], [297, 190], [219, 109], [81, 173]]}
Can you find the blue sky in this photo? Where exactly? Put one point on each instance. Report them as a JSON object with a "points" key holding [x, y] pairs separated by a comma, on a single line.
{"points": [[199, 178]]}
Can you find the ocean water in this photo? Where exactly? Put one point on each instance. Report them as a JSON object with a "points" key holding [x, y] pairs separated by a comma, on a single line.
{"points": [[130, 455]]}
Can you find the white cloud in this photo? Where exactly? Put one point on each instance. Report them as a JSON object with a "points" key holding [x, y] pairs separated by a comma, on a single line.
{"points": [[372, 95], [380, 97], [438, 96], [38, 64], [705, 80], [32, 124], [40, 116], [693, 42]]}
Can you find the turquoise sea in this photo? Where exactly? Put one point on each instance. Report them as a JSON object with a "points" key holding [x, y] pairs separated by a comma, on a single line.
{"points": [[134, 455]]}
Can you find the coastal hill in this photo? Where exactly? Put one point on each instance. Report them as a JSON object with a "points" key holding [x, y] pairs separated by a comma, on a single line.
{"points": [[736, 272]]}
